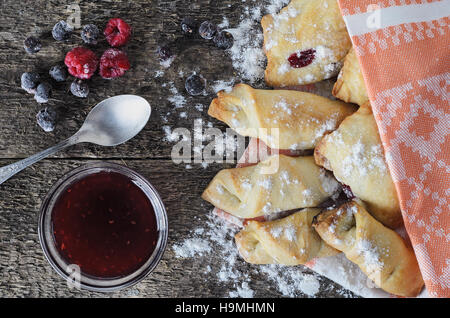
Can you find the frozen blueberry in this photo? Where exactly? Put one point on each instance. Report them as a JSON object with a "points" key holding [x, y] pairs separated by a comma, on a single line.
{"points": [[189, 26], [58, 73], [195, 85], [43, 92], [207, 30], [164, 52], [30, 81], [90, 34], [32, 45], [223, 40], [46, 119], [79, 88], [62, 31]]}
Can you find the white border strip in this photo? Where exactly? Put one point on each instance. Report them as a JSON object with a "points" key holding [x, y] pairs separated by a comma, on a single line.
{"points": [[363, 23]]}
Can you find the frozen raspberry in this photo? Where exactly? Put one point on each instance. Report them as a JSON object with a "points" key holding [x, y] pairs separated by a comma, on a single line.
{"points": [[302, 59], [113, 63], [81, 62], [117, 32]]}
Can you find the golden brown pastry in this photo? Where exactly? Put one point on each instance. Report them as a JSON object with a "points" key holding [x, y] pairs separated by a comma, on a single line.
{"points": [[305, 43], [302, 119], [355, 155], [350, 86], [380, 252], [279, 183], [287, 241]]}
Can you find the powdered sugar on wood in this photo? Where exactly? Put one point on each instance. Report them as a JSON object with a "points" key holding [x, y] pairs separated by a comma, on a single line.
{"points": [[217, 237]]}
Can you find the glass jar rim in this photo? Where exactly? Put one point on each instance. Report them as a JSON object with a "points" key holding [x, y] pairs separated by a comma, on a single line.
{"points": [[61, 266]]}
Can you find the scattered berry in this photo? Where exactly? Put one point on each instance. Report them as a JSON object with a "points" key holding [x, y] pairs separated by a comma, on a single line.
{"points": [[302, 59], [43, 92], [90, 34], [189, 26], [79, 88], [223, 40], [46, 119], [29, 82], [32, 45], [81, 62], [58, 73], [195, 85], [117, 32], [62, 31], [164, 53], [113, 63], [207, 30]]}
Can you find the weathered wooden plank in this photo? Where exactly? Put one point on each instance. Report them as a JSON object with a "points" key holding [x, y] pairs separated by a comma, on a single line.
{"points": [[151, 20], [25, 272]]}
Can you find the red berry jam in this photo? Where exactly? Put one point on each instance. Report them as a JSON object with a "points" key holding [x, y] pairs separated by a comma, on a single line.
{"points": [[105, 224], [348, 191], [302, 59]]}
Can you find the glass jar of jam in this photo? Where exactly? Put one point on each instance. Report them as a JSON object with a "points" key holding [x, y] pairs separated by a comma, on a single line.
{"points": [[103, 227]]}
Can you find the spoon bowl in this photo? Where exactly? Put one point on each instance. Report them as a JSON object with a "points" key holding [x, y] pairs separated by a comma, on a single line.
{"points": [[115, 120], [112, 122]]}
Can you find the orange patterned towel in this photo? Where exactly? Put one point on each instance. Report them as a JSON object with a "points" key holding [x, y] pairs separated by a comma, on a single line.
{"points": [[403, 47]]}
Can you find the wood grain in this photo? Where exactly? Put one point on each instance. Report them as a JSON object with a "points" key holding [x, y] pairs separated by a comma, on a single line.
{"points": [[24, 272]]}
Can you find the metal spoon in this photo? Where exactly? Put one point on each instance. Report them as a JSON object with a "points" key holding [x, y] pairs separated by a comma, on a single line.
{"points": [[112, 122]]}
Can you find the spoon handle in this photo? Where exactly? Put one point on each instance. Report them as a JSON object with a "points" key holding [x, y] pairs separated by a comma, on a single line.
{"points": [[7, 172]]}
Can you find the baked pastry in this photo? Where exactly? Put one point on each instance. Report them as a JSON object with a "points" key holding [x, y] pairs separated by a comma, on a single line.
{"points": [[350, 86], [279, 183], [301, 119], [355, 155], [305, 43], [380, 252], [287, 241]]}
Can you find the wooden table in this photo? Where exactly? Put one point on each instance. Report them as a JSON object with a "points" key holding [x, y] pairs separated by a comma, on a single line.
{"points": [[24, 272]]}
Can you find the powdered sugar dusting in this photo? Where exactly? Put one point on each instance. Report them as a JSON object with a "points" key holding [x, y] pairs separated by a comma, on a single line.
{"points": [[291, 281], [266, 183], [192, 247], [329, 183], [216, 237], [290, 233], [276, 231], [371, 256], [339, 269], [226, 86], [361, 158], [176, 98], [247, 54], [283, 106], [242, 291]]}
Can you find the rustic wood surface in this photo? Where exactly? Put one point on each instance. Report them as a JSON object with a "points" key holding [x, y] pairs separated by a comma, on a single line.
{"points": [[24, 272]]}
